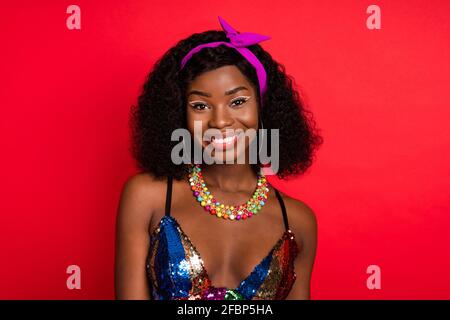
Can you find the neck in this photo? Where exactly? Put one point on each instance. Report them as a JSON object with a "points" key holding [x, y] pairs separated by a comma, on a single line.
{"points": [[230, 177]]}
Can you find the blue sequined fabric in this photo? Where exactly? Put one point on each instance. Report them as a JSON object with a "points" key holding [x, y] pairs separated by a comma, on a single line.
{"points": [[176, 271]]}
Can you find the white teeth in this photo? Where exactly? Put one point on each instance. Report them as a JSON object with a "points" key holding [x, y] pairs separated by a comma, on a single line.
{"points": [[225, 140]]}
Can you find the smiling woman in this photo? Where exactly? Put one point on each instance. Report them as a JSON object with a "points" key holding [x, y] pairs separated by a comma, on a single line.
{"points": [[222, 80], [228, 111]]}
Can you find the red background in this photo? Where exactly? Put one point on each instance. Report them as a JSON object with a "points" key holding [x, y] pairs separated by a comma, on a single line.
{"points": [[380, 185]]}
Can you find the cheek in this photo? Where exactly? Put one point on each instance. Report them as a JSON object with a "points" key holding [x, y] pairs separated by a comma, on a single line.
{"points": [[197, 122], [249, 118]]}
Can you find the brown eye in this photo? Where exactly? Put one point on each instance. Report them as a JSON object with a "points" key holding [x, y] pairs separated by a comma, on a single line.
{"points": [[199, 106], [239, 102]]}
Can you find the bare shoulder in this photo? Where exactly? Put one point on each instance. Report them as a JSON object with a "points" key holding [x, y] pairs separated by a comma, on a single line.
{"points": [[143, 182], [302, 218], [139, 199], [141, 196], [303, 222]]}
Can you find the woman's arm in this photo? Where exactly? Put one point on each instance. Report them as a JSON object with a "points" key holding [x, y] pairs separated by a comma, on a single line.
{"points": [[132, 238], [303, 223]]}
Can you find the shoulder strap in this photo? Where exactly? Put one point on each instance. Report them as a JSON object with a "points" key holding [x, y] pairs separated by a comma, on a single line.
{"points": [[283, 209], [168, 195]]}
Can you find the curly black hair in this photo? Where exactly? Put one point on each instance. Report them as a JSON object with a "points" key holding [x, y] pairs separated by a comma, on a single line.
{"points": [[161, 107]]}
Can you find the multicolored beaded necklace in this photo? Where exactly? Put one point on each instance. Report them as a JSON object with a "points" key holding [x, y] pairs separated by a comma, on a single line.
{"points": [[237, 212]]}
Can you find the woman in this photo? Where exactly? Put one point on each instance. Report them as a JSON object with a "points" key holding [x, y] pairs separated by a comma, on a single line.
{"points": [[219, 230]]}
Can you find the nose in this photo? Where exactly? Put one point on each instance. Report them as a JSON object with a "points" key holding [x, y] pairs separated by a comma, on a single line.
{"points": [[220, 118]]}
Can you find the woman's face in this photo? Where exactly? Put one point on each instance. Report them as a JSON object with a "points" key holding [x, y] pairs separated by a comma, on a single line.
{"points": [[222, 99]]}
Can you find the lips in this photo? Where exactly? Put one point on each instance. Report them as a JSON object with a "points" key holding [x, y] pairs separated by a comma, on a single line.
{"points": [[223, 143], [226, 140]]}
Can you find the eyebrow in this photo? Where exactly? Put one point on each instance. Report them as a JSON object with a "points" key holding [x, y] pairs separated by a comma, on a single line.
{"points": [[205, 94]]}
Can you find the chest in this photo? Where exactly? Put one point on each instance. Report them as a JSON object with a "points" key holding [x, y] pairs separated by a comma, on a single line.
{"points": [[193, 252], [177, 270]]}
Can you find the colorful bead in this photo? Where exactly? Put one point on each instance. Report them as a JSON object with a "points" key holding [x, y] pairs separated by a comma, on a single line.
{"points": [[230, 212]]}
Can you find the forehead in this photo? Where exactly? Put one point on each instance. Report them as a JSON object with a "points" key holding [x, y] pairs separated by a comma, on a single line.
{"points": [[219, 80]]}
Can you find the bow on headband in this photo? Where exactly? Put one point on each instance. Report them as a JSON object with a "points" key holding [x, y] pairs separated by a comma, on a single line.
{"points": [[241, 39], [238, 41]]}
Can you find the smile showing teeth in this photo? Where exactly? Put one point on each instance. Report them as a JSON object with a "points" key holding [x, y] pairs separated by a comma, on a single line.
{"points": [[223, 143], [225, 140]]}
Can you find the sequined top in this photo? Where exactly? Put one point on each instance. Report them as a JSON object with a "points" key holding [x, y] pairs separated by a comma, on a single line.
{"points": [[175, 269]]}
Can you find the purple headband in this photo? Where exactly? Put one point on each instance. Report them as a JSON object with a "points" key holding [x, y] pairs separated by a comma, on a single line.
{"points": [[239, 41]]}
